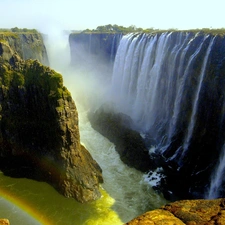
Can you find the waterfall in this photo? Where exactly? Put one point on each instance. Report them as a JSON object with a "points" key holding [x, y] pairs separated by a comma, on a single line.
{"points": [[125, 194], [130, 195], [114, 46], [149, 79], [172, 86], [217, 177], [196, 100]]}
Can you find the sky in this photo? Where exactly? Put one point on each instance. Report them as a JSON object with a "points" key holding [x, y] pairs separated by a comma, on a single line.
{"points": [[83, 14]]}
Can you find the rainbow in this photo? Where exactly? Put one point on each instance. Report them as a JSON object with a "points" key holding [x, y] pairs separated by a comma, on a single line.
{"points": [[30, 213], [99, 212]]}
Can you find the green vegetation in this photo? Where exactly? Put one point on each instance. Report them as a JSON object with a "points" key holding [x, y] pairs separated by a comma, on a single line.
{"points": [[14, 31], [114, 29], [23, 30], [46, 78], [131, 29], [10, 77], [33, 73], [8, 34]]}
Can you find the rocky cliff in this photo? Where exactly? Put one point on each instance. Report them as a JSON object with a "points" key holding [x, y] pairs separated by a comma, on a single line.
{"points": [[190, 212], [117, 127], [89, 48], [28, 45], [171, 85], [39, 135]]}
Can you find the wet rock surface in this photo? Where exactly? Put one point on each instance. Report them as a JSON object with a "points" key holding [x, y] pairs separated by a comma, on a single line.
{"points": [[129, 144]]}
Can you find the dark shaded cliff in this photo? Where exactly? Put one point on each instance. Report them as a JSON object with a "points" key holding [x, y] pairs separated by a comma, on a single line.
{"points": [[39, 135], [171, 85], [87, 49], [28, 45]]}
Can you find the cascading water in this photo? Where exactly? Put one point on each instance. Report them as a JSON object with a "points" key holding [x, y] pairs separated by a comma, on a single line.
{"points": [[126, 186], [172, 85], [217, 177], [125, 193], [196, 100], [146, 82], [166, 83]]}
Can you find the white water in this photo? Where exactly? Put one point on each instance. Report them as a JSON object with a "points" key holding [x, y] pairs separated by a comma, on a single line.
{"points": [[182, 80], [127, 186], [128, 194], [196, 100], [217, 177], [152, 93]]}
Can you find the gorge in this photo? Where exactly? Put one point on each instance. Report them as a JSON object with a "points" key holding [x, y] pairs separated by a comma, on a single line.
{"points": [[41, 201], [166, 89], [171, 85]]}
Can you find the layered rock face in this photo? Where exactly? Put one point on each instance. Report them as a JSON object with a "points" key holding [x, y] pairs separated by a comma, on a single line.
{"points": [[27, 45], [39, 135], [191, 212]]}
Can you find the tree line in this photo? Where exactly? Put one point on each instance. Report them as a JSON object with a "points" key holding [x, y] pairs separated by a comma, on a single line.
{"points": [[131, 29], [17, 30], [117, 29]]}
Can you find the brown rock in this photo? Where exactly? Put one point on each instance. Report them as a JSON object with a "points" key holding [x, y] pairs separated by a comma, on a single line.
{"points": [[39, 133], [190, 212], [198, 211], [156, 217], [4, 222]]}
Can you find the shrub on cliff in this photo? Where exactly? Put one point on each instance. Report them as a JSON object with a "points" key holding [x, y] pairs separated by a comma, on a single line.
{"points": [[39, 135]]}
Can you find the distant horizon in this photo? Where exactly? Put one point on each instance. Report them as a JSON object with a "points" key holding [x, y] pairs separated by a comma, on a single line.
{"points": [[50, 16], [152, 28]]}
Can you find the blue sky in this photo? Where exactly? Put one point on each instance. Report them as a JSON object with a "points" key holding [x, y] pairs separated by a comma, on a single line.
{"points": [[82, 14]]}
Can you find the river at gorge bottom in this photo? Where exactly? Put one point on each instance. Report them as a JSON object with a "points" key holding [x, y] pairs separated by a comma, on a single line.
{"points": [[125, 194]]}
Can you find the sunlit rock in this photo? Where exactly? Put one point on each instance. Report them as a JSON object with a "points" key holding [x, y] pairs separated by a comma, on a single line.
{"points": [[4, 222], [39, 135], [192, 212]]}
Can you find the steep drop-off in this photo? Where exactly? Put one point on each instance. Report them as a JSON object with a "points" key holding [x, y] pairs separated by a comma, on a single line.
{"points": [[93, 49], [28, 45], [39, 135], [171, 84]]}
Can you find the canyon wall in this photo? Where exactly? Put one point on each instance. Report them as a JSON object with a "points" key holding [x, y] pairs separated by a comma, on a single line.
{"points": [[28, 45], [171, 86], [93, 49], [39, 134]]}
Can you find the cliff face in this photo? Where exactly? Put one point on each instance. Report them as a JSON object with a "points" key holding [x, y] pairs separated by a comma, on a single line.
{"points": [[27, 45], [86, 48], [39, 136], [171, 85]]}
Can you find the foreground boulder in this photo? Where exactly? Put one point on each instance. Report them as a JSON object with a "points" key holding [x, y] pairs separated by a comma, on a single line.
{"points": [[39, 135], [4, 222], [191, 212]]}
